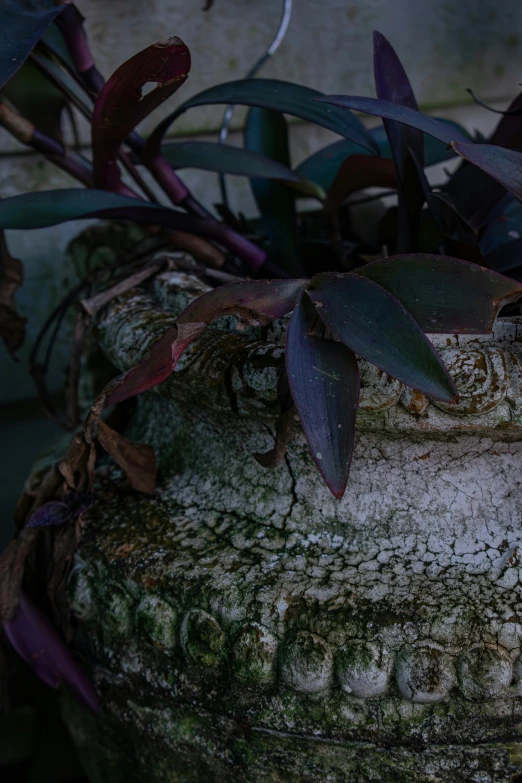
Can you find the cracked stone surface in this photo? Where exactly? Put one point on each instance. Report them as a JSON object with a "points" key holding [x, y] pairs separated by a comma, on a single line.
{"points": [[243, 625]]}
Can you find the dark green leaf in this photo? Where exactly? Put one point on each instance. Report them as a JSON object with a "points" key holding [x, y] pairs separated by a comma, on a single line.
{"points": [[281, 96], [47, 208], [64, 82], [503, 228], [439, 129], [322, 166], [324, 382], [266, 133], [376, 326], [53, 40], [444, 294], [507, 258], [22, 23], [37, 99], [212, 156]]}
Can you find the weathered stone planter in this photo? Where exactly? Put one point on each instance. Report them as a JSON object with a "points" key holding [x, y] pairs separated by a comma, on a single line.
{"points": [[243, 625]]}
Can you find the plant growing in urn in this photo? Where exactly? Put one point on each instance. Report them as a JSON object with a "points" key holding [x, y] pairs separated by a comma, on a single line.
{"points": [[255, 612]]}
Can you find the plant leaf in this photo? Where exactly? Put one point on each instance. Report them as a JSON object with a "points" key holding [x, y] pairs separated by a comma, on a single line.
{"points": [[439, 129], [48, 208], [22, 23], [12, 325], [392, 84], [322, 166], [266, 133], [36, 641], [121, 105], [503, 165], [477, 195], [54, 41], [37, 100], [137, 460], [280, 96], [358, 172], [261, 301], [376, 326], [63, 81], [324, 382], [59, 512], [212, 156], [444, 294]]}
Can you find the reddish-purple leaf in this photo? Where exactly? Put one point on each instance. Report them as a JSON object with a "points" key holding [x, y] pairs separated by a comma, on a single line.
{"points": [[376, 326], [444, 294], [37, 642], [358, 172], [503, 165], [259, 301], [153, 369], [324, 382], [121, 105]]}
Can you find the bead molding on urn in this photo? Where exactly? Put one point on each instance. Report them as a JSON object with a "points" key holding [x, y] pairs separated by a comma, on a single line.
{"points": [[243, 625]]}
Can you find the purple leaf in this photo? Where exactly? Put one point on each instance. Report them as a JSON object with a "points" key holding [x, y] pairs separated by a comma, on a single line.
{"points": [[392, 84], [59, 512], [37, 642], [376, 326], [439, 129], [505, 166], [358, 172], [324, 382], [444, 294], [257, 300], [22, 24], [121, 104]]}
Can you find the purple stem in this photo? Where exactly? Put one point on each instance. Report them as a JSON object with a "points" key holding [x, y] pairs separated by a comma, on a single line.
{"points": [[68, 161], [70, 23]]}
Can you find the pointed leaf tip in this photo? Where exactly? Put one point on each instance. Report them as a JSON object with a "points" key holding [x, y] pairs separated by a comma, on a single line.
{"points": [[38, 643], [323, 376], [376, 326]]}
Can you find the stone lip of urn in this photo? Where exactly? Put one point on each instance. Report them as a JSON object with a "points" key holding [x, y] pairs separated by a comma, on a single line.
{"points": [[243, 625]]}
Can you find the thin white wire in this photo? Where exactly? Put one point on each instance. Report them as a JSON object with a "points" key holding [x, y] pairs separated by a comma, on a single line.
{"points": [[286, 13]]}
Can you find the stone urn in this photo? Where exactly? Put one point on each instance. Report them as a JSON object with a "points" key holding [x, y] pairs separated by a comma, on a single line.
{"points": [[243, 625]]}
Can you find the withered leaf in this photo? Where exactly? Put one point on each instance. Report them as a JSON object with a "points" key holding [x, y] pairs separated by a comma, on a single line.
{"points": [[137, 460], [12, 324], [12, 564]]}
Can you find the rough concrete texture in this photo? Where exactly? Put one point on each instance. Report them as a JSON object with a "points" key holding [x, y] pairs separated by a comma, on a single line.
{"points": [[243, 625]]}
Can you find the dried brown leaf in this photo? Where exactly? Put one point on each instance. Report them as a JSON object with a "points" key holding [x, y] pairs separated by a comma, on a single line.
{"points": [[12, 564], [137, 460], [12, 325]]}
